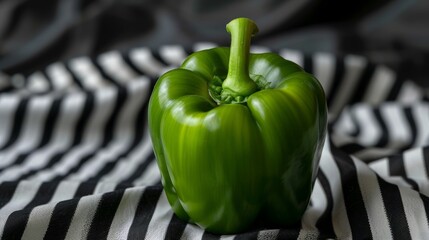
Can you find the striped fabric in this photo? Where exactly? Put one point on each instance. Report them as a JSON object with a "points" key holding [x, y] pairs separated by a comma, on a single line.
{"points": [[76, 161]]}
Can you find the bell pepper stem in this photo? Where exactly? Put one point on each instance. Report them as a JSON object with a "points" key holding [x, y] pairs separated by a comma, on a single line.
{"points": [[238, 82]]}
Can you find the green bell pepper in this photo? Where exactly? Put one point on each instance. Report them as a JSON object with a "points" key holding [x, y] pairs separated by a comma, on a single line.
{"points": [[237, 136]]}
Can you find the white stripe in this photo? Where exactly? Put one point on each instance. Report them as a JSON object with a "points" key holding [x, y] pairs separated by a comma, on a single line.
{"points": [[158, 225], [192, 232], [87, 73], [203, 46], [143, 59], [373, 201], [82, 218], [340, 220], [370, 130], [38, 221], [399, 130], [409, 93], [227, 237], [150, 176], [421, 116], [104, 187], [123, 132], [381, 167], [324, 69], [64, 191], [380, 85], [293, 55], [24, 193], [268, 234], [354, 66], [31, 134], [124, 215], [114, 65], [8, 105], [173, 54], [37, 82], [414, 164], [341, 139], [315, 211], [415, 213], [345, 124], [60, 76], [305, 234], [93, 134], [61, 139], [259, 49]]}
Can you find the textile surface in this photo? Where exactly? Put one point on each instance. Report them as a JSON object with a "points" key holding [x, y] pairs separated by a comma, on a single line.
{"points": [[76, 161]]}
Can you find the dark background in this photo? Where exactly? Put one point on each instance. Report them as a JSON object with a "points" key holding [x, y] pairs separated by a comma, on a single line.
{"points": [[34, 33]]}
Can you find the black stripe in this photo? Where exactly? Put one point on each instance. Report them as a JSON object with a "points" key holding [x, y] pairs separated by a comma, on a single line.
{"points": [[85, 188], [51, 119], [336, 82], [209, 236], [73, 75], [351, 148], [425, 201], [324, 223], [49, 80], [396, 165], [7, 189], [396, 88], [144, 212], [394, 210], [175, 228], [84, 117], [355, 206], [308, 63], [61, 218], [413, 127], [18, 120], [104, 215], [189, 50], [397, 168], [286, 234], [111, 123], [17, 221], [248, 235], [159, 58], [426, 158], [384, 139], [363, 83]]}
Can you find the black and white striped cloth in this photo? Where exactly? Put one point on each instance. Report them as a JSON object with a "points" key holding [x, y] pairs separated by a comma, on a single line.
{"points": [[76, 161]]}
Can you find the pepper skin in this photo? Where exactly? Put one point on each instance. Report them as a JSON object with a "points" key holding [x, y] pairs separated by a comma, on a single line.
{"points": [[238, 136]]}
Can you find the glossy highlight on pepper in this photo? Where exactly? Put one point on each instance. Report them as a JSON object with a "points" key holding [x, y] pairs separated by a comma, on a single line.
{"points": [[238, 136]]}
